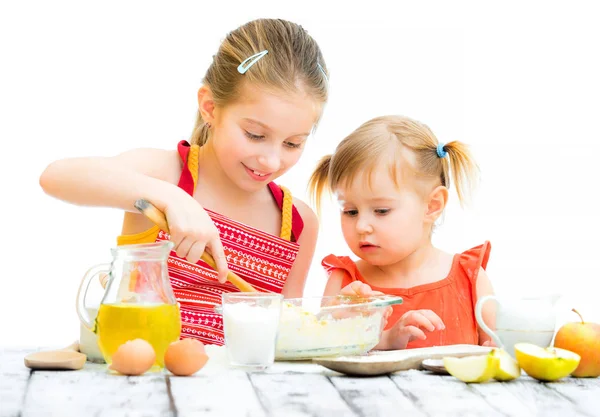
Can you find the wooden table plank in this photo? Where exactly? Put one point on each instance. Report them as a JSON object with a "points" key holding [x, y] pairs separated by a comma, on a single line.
{"points": [[295, 395], [583, 392], [13, 381], [222, 394], [542, 400], [442, 395], [501, 398], [377, 396], [286, 389], [95, 391]]}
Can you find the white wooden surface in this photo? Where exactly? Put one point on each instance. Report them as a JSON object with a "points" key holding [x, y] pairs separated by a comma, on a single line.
{"points": [[286, 389]]}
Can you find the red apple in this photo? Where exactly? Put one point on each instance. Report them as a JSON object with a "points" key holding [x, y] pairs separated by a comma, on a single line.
{"points": [[584, 339]]}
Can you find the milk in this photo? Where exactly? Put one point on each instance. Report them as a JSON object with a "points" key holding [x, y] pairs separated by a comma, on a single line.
{"points": [[88, 341], [530, 320], [510, 338], [251, 333]]}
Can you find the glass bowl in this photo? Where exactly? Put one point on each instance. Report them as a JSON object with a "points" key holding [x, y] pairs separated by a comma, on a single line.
{"points": [[330, 326]]}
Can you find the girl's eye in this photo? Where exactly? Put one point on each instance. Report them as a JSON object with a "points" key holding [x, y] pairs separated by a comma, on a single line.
{"points": [[292, 145], [382, 212], [350, 213], [253, 136]]}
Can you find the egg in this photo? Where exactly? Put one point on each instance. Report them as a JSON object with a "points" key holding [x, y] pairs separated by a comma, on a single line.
{"points": [[185, 357], [133, 357]]}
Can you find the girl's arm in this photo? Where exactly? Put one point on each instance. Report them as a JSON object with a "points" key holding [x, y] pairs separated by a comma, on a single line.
{"points": [[142, 173], [294, 284], [115, 181], [483, 287], [334, 283]]}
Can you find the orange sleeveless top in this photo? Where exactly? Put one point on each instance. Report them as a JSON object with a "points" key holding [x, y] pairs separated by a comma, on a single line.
{"points": [[453, 298], [262, 259]]}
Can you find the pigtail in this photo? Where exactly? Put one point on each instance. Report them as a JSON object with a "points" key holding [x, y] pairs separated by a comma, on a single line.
{"points": [[465, 171], [200, 132], [319, 182]]}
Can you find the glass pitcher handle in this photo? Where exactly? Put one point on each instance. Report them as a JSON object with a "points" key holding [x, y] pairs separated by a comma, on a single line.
{"points": [[84, 317], [479, 317]]}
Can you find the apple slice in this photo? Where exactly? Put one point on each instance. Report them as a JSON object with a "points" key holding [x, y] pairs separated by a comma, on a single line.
{"points": [[508, 369], [480, 368], [546, 364]]}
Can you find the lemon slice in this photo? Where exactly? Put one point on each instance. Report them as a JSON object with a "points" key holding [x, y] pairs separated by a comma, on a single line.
{"points": [[508, 369], [546, 364], [478, 368]]}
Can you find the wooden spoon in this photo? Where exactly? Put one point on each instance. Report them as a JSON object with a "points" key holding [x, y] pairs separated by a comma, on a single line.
{"points": [[158, 217], [67, 358]]}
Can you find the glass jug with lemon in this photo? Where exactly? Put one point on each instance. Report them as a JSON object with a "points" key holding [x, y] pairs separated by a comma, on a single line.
{"points": [[138, 301]]}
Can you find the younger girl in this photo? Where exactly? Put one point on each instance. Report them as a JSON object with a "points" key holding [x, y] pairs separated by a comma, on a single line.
{"points": [[391, 178], [262, 96]]}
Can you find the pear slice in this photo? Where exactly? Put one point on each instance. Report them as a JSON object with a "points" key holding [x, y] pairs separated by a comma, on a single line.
{"points": [[480, 368], [508, 369], [546, 364]]}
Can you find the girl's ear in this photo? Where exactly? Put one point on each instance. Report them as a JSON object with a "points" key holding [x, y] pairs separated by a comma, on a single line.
{"points": [[206, 104], [436, 203]]}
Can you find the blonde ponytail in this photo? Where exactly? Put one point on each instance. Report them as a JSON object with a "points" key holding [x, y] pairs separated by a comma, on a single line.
{"points": [[318, 183], [200, 132], [462, 167]]}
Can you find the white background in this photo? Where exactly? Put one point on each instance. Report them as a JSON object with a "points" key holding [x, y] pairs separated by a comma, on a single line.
{"points": [[518, 83]]}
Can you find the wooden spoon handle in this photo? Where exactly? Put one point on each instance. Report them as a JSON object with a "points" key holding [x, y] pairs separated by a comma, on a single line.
{"points": [[158, 218], [151, 212], [236, 280], [74, 347]]}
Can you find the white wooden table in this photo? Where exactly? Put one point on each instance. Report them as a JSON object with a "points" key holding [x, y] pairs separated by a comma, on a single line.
{"points": [[286, 389]]}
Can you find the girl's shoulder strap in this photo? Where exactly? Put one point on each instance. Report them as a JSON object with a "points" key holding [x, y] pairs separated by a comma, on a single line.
{"points": [[291, 221], [189, 172]]}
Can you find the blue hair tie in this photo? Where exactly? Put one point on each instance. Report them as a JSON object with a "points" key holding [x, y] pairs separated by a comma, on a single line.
{"points": [[441, 152]]}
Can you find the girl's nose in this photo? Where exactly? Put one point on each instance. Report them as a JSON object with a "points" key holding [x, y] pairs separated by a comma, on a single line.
{"points": [[363, 225], [270, 160]]}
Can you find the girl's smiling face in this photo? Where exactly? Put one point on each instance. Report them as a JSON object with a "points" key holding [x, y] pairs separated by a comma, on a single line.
{"points": [[382, 222], [262, 135]]}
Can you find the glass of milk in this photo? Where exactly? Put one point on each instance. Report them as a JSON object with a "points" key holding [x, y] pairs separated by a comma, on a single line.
{"points": [[250, 323]]}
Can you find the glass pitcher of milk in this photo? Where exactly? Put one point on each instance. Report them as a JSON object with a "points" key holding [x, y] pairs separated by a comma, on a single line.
{"points": [[531, 320]]}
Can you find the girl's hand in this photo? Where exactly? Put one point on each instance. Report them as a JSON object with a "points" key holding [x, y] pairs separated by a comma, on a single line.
{"points": [[411, 326], [192, 232], [360, 289], [489, 343]]}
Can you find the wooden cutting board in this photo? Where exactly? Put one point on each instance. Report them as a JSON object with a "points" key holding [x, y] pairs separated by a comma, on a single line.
{"points": [[385, 362]]}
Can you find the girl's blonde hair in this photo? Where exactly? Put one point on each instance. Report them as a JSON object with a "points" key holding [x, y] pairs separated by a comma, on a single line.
{"points": [[408, 147], [293, 63]]}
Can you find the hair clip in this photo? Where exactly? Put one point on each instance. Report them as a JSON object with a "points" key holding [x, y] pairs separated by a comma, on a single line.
{"points": [[441, 152], [251, 61], [323, 71]]}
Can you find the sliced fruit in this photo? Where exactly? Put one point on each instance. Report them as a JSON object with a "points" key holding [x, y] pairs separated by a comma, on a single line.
{"points": [[478, 368], [508, 369], [546, 364]]}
